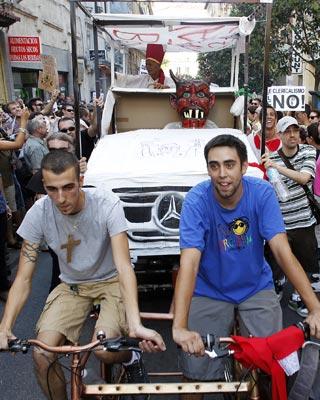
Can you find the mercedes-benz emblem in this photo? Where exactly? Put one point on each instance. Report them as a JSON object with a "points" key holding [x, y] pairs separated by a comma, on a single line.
{"points": [[168, 210]]}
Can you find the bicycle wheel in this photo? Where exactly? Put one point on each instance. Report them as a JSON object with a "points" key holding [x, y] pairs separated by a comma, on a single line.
{"points": [[233, 371], [113, 374], [229, 376]]}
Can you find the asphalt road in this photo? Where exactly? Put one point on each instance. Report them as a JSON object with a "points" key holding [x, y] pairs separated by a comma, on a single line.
{"points": [[17, 381]]}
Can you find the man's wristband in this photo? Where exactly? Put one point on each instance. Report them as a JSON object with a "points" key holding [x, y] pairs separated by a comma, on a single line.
{"points": [[23, 130]]}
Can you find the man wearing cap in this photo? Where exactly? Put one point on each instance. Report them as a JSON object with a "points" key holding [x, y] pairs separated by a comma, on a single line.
{"points": [[296, 211], [155, 79]]}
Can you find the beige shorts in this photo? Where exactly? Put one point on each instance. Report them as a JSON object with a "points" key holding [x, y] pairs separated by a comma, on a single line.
{"points": [[67, 307], [10, 194]]}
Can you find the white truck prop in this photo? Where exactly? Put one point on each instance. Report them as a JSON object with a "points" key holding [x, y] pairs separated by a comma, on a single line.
{"points": [[151, 169]]}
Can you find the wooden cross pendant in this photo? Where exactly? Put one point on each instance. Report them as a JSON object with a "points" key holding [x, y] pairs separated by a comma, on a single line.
{"points": [[69, 246]]}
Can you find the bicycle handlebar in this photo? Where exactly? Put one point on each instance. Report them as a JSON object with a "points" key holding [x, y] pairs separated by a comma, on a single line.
{"points": [[212, 342], [119, 343], [113, 345]]}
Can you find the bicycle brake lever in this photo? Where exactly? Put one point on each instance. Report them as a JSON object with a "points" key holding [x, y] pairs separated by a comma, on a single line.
{"points": [[219, 353], [121, 344], [16, 345]]}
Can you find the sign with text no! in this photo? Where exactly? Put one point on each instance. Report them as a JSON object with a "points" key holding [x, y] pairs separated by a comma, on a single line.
{"points": [[287, 98]]}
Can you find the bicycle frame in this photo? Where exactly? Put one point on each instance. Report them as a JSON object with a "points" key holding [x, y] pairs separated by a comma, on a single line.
{"points": [[79, 389]]}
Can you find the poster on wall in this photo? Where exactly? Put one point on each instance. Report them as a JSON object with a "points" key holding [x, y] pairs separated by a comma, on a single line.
{"points": [[24, 48]]}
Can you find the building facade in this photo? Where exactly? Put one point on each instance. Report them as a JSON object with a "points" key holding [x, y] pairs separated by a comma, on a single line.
{"points": [[49, 21]]}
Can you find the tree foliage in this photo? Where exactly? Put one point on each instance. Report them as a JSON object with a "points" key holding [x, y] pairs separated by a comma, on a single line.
{"points": [[295, 31]]}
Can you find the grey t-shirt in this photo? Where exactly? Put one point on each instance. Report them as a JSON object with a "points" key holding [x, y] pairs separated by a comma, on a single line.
{"points": [[101, 218]]}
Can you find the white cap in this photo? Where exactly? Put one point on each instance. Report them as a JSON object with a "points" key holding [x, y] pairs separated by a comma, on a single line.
{"points": [[285, 122]]}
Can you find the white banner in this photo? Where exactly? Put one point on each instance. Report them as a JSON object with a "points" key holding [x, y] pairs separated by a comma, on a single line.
{"points": [[287, 98]]}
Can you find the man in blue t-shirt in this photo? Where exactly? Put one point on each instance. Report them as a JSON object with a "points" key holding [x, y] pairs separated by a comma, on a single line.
{"points": [[224, 223]]}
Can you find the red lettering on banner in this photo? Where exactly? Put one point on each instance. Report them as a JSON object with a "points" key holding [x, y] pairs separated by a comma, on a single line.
{"points": [[24, 48]]}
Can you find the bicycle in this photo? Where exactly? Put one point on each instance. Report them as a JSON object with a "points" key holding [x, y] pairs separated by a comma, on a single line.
{"points": [[101, 391], [78, 360]]}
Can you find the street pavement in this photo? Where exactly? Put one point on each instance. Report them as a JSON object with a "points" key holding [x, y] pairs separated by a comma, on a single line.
{"points": [[17, 381]]}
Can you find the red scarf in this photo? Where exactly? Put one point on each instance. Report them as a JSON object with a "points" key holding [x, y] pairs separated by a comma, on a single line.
{"points": [[263, 353], [271, 144]]}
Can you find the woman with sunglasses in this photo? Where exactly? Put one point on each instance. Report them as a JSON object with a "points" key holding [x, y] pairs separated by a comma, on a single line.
{"points": [[314, 116]]}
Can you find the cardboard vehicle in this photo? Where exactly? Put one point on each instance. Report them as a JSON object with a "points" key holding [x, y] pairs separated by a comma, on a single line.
{"points": [[136, 108], [151, 169]]}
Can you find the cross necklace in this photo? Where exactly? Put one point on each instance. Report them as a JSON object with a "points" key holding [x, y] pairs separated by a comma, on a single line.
{"points": [[69, 246], [71, 243]]}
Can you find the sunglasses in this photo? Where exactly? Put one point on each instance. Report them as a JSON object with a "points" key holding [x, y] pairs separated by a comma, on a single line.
{"points": [[313, 116], [66, 130], [70, 109], [39, 104]]}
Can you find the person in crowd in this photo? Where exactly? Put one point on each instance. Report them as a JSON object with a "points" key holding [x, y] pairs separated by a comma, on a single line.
{"points": [[35, 148], [273, 141], [224, 223], [256, 102], [303, 116], [61, 98], [87, 136], [70, 218], [16, 109], [20, 138], [55, 141], [5, 213], [303, 135], [84, 114], [36, 104], [155, 79], [88, 114], [314, 116], [254, 124], [193, 101], [6, 170], [13, 108], [296, 211], [5, 121], [313, 139], [279, 115], [67, 110]]}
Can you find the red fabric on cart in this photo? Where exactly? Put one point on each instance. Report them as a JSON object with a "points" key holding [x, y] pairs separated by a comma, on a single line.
{"points": [[263, 353]]}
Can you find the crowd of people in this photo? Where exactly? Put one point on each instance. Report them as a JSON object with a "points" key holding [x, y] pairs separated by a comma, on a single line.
{"points": [[233, 228], [26, 132]]}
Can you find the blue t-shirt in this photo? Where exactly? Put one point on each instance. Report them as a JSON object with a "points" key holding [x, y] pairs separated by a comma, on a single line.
{"points": [[232, 266]]}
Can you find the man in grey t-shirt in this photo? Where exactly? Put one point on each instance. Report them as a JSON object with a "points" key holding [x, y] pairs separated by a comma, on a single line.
{"points": [[87, 231]]}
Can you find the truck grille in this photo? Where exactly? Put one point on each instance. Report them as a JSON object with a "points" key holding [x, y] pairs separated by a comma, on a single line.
{"points": [[153, 214]]}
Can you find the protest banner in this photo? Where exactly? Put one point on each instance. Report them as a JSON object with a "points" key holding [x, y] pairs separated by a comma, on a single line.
{"points": [[48, 77]]}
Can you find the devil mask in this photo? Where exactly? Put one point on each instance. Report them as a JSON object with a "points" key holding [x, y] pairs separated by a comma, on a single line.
{"points": [[193, 101]]}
